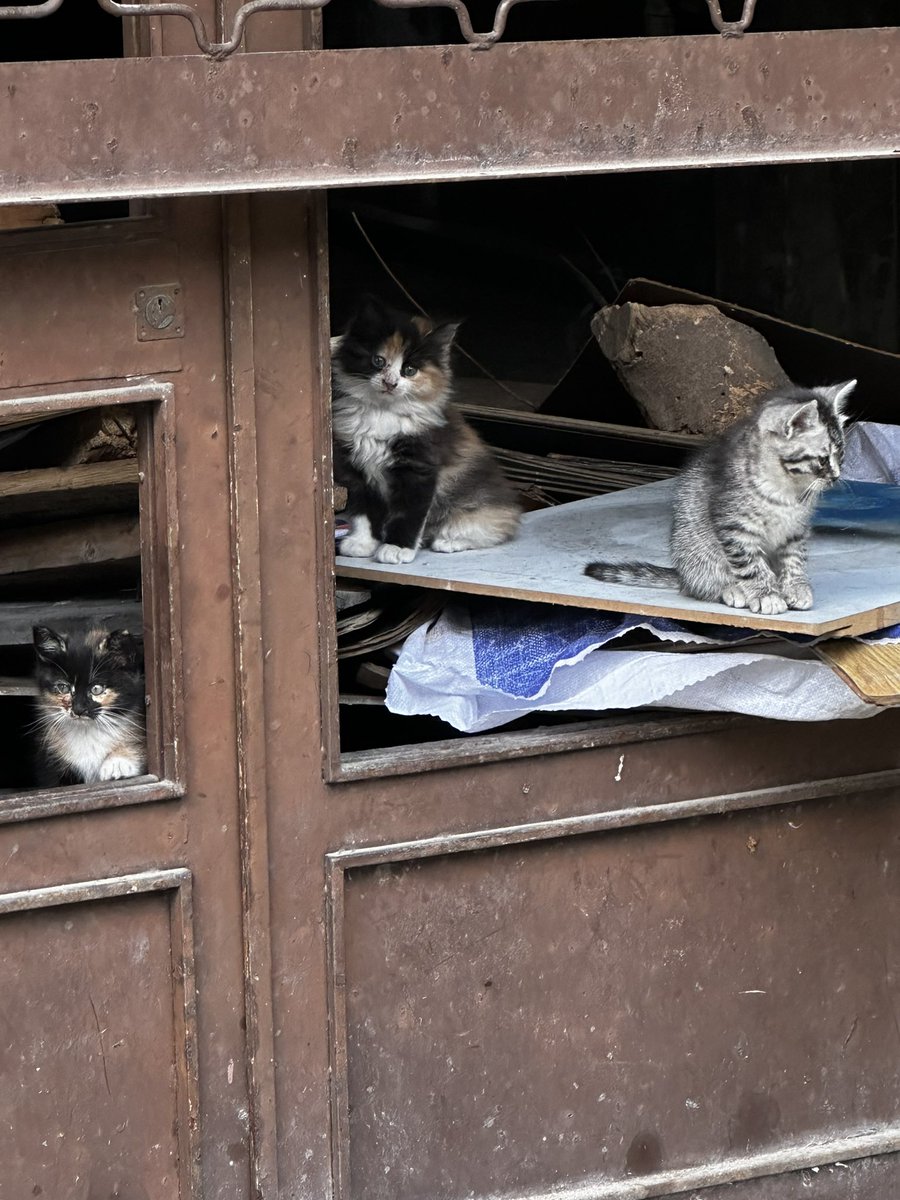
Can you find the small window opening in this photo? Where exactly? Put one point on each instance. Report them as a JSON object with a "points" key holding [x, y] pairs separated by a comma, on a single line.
{"points": [[85, 603]]}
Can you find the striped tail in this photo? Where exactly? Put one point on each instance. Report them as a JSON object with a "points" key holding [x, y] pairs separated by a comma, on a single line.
{"points": [[642, 573]]}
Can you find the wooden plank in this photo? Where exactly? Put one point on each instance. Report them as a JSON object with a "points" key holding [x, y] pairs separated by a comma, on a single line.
{"points": [[854, 572], [18, 617], [873, 671], [69, 491], [29, 216], [15, 685], [68, 479], [92, 542], [542, 421]]}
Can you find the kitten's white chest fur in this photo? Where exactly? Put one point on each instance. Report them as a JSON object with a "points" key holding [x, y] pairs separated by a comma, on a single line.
{"points": [[93, 753], [368, 426]]}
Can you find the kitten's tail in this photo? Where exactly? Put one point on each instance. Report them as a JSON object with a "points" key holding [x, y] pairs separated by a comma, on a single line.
{"points": [[642, 573]]}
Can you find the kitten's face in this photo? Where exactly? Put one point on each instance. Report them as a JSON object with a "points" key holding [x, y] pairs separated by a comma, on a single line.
{"points": [[393, 360], [86, 678], [806, 430]]}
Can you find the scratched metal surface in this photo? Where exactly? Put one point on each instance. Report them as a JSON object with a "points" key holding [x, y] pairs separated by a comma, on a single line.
{"points": [[266, 121], [629, 1014], [260, 710]]}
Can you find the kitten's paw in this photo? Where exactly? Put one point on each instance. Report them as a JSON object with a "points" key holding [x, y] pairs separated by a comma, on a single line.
{"points": [[798, 595], [118, 767], [734, 596], [767, 604], [449, 545], [388, 553], [357, 545]]}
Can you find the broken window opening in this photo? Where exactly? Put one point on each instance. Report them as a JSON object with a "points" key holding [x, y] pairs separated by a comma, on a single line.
{"points": [[83, 504], [528, 263]]}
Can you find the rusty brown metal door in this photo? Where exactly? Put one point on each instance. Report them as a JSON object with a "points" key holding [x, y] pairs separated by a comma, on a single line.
{"points": [[666, 966], [123, 1048]]}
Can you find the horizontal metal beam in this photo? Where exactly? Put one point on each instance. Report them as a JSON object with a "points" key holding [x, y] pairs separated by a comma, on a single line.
{"points": [[260, 122]]}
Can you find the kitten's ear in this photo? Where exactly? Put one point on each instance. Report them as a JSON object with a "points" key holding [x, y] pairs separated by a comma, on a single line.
{"points": [[837, 396], [47, 644], [369, 308], [801, 419], [443, 335], [121, 647]]}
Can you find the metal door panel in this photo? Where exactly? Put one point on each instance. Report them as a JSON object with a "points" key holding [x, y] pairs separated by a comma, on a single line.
{"points": [[97, 1013], [68, 311], [683, 1004], [196, 829]]}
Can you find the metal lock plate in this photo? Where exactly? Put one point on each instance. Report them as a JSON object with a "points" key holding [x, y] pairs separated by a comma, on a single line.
{"points": [[159, 312]]}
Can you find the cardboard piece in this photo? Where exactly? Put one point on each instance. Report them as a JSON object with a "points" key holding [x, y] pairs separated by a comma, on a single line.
{"points": [[853, 572], [872, 670]]}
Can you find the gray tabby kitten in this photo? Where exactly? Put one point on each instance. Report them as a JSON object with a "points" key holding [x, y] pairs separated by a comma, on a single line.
{"points": [[743, 505]]}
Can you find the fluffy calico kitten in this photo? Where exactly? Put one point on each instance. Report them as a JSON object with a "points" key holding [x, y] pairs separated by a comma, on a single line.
{"points": [[743, 505], [90, 706], [415, 472]]}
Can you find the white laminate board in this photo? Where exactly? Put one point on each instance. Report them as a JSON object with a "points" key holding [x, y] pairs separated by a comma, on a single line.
{"points": [[855, 574]]}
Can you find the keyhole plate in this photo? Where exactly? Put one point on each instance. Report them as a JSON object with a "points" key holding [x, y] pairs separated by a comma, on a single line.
{"points": [[159, 312]]}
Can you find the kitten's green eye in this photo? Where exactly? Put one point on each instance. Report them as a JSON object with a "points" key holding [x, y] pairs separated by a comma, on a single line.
{"points": [[409, 370], [378, 361], [62, 688], [98, 689]]}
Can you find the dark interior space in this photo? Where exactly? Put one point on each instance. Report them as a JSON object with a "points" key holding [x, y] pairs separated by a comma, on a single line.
{"points": [[81, 30], [526, 263], [368, 24]]}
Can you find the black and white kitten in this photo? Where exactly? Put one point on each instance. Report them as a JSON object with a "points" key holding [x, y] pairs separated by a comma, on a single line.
{"points": [[90, 706], [416, 473], [744, 503]]}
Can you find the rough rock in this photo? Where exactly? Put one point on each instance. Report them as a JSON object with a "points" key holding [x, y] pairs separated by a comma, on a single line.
{"points": [[689, 368]]}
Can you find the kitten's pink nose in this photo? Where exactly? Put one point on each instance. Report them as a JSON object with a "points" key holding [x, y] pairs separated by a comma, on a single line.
{"points": [[390, 385]]}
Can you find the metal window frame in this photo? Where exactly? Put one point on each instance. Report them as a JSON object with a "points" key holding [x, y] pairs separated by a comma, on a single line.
{"points": [[154, 403]]}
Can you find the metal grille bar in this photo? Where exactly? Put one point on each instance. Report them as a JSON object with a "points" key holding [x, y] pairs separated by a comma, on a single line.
{"points": [[731, 28], [218, 50], [204, 42], [478, 40], [23, 11]]}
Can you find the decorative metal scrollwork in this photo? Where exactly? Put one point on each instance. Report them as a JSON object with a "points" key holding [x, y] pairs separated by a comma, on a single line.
{"points": [[478, 40], [206, 44], [731, 28], [222, 49], [12, 11]]}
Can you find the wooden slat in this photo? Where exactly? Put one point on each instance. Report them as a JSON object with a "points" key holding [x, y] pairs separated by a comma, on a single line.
{"points": [[67, 479], [873, 671], [91, 542], [101, 487], [29, 216], [15, 685], [17, 618]]}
